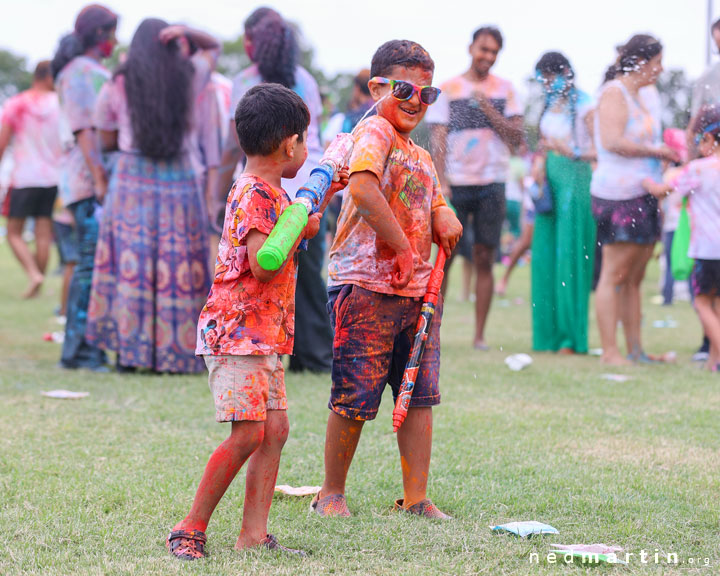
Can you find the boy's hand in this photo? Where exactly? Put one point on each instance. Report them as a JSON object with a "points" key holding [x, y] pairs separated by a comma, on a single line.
{"points": [[313, 225], [403, 268], [343, 176], [446, 229]]}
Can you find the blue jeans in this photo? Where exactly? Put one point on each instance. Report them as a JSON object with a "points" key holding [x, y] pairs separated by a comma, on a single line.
{"points": [[76, 352]]}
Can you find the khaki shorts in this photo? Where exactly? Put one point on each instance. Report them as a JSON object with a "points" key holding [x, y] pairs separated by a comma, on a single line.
{"points": [[246, 387]]}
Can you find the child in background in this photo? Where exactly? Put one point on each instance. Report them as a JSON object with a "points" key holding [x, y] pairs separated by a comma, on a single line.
{"points": [[249, 320], [379, 270], [700, 180]]}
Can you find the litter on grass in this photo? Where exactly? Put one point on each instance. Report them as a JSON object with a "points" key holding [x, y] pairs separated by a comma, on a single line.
{"points": [[517, 362], [588, 553], [58, 337], [299, 491], [65, 394], [667, 323], [595, 352], [525, 529], [616, 377]]}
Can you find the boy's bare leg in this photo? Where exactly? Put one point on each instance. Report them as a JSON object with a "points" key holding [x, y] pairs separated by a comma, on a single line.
{"points": [[521, 247], [708, 309], [341, 440], [67, 277], [43, 241], [224, 464], [415, 443], [24, 256], [483, 260], [260, 480]]}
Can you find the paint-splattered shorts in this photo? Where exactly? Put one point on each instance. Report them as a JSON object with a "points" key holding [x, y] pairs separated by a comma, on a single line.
{"points": [[246, 387], [635, 221], [705, 278], [373, 337]]}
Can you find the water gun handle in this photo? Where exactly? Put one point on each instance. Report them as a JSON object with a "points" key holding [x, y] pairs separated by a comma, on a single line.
{"points": [[292, 221]]}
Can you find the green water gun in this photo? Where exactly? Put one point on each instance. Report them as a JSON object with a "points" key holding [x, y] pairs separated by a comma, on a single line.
{"points": [[308, 200]]}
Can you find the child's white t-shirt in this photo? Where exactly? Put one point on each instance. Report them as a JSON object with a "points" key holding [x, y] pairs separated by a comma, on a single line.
{"points": [[701, 182]]}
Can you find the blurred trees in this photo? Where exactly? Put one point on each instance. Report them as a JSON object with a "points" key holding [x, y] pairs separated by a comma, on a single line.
{"points": [[14, 75]]}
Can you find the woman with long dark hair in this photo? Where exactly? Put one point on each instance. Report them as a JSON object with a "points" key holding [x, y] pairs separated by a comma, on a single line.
{"points": [[564, 238], [272, 46], [79, 75], [629, 148], [151, 270]]}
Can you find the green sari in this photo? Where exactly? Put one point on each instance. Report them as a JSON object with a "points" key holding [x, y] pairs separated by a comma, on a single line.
{"points": [[563, 255]]}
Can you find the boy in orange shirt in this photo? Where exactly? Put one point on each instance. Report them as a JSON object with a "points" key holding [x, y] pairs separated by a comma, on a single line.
{"points": [[378, 273], [248, 322]]}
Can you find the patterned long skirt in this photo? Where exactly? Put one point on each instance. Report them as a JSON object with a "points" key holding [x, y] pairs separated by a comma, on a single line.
{"points": [[151, 274]]}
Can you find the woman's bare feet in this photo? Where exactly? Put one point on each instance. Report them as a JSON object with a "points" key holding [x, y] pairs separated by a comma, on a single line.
{"points": [[566, 351], [616, 359]]}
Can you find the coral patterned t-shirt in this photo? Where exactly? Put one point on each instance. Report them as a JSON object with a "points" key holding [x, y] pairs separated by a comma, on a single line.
{"points": [[410, 185], [244, 316]]}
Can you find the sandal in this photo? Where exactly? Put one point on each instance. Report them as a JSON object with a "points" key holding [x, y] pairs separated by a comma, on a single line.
{"points": [[424, 508], [187, 544], [331, 505], [271, 543]]}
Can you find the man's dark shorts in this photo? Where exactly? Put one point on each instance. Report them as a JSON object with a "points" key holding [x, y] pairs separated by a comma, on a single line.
{"points": [[486, 204], [32, 202], [373, 337]]}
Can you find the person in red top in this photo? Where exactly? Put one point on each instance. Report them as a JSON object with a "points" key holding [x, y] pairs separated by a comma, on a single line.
{"points": [[30, 122], [248, 321], [379, 270]]}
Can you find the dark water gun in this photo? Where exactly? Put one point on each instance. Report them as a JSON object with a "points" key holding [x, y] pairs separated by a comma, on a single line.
{"points": [[427, 312], [308, 199]]}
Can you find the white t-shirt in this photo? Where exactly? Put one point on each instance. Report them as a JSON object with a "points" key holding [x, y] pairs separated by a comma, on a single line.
{"points": [[476, 155], [701, 181], [557, 124], [34, 117]]}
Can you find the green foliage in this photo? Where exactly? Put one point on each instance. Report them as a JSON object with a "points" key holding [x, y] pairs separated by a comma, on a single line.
{"points": [[676, 93], [14, 75]]}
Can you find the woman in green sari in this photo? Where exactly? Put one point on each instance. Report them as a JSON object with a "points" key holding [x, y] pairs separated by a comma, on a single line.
{"points": [[564, 240]]}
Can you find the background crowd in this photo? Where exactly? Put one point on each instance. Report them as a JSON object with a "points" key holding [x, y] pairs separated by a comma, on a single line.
{"points": [[128, 171]]}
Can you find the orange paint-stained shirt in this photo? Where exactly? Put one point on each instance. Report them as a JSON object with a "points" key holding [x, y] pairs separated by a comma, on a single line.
{"points": [[409, 182], [244, 316]]}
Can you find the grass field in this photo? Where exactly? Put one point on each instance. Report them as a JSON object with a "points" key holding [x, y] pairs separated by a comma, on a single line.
{"points": [[92, 486]]}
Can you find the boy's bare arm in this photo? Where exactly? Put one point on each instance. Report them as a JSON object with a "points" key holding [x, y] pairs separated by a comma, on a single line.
{"points": [[375, 210], [446, 229], [255, 240]]}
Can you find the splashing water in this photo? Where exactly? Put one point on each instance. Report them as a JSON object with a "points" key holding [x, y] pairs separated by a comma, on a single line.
{"points": [[373, 107]]}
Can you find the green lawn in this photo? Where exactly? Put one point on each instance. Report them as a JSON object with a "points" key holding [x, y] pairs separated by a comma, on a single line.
{"points": [[92, 486]]}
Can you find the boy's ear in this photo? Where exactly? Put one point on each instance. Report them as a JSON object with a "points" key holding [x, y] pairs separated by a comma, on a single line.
{"points": [[375, 90], [289, 145]]}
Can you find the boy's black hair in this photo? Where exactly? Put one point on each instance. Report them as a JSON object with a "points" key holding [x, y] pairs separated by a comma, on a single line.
{"points": [[489, 31], [403, 53], [715, 25], [708, 117], [266, 115]]}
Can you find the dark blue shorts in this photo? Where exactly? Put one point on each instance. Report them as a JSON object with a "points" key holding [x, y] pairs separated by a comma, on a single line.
{"points": [[67, 242], [705, 278], [373, 336]]}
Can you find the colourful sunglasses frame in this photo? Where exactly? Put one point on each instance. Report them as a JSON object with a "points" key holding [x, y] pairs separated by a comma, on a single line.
{"points": [[415, 88]]}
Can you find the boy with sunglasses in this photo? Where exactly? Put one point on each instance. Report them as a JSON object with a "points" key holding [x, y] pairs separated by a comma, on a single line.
{"points": [[379, 270]]}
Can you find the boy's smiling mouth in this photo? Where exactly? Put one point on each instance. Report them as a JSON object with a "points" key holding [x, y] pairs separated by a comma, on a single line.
{"points": [[409, 111]]}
